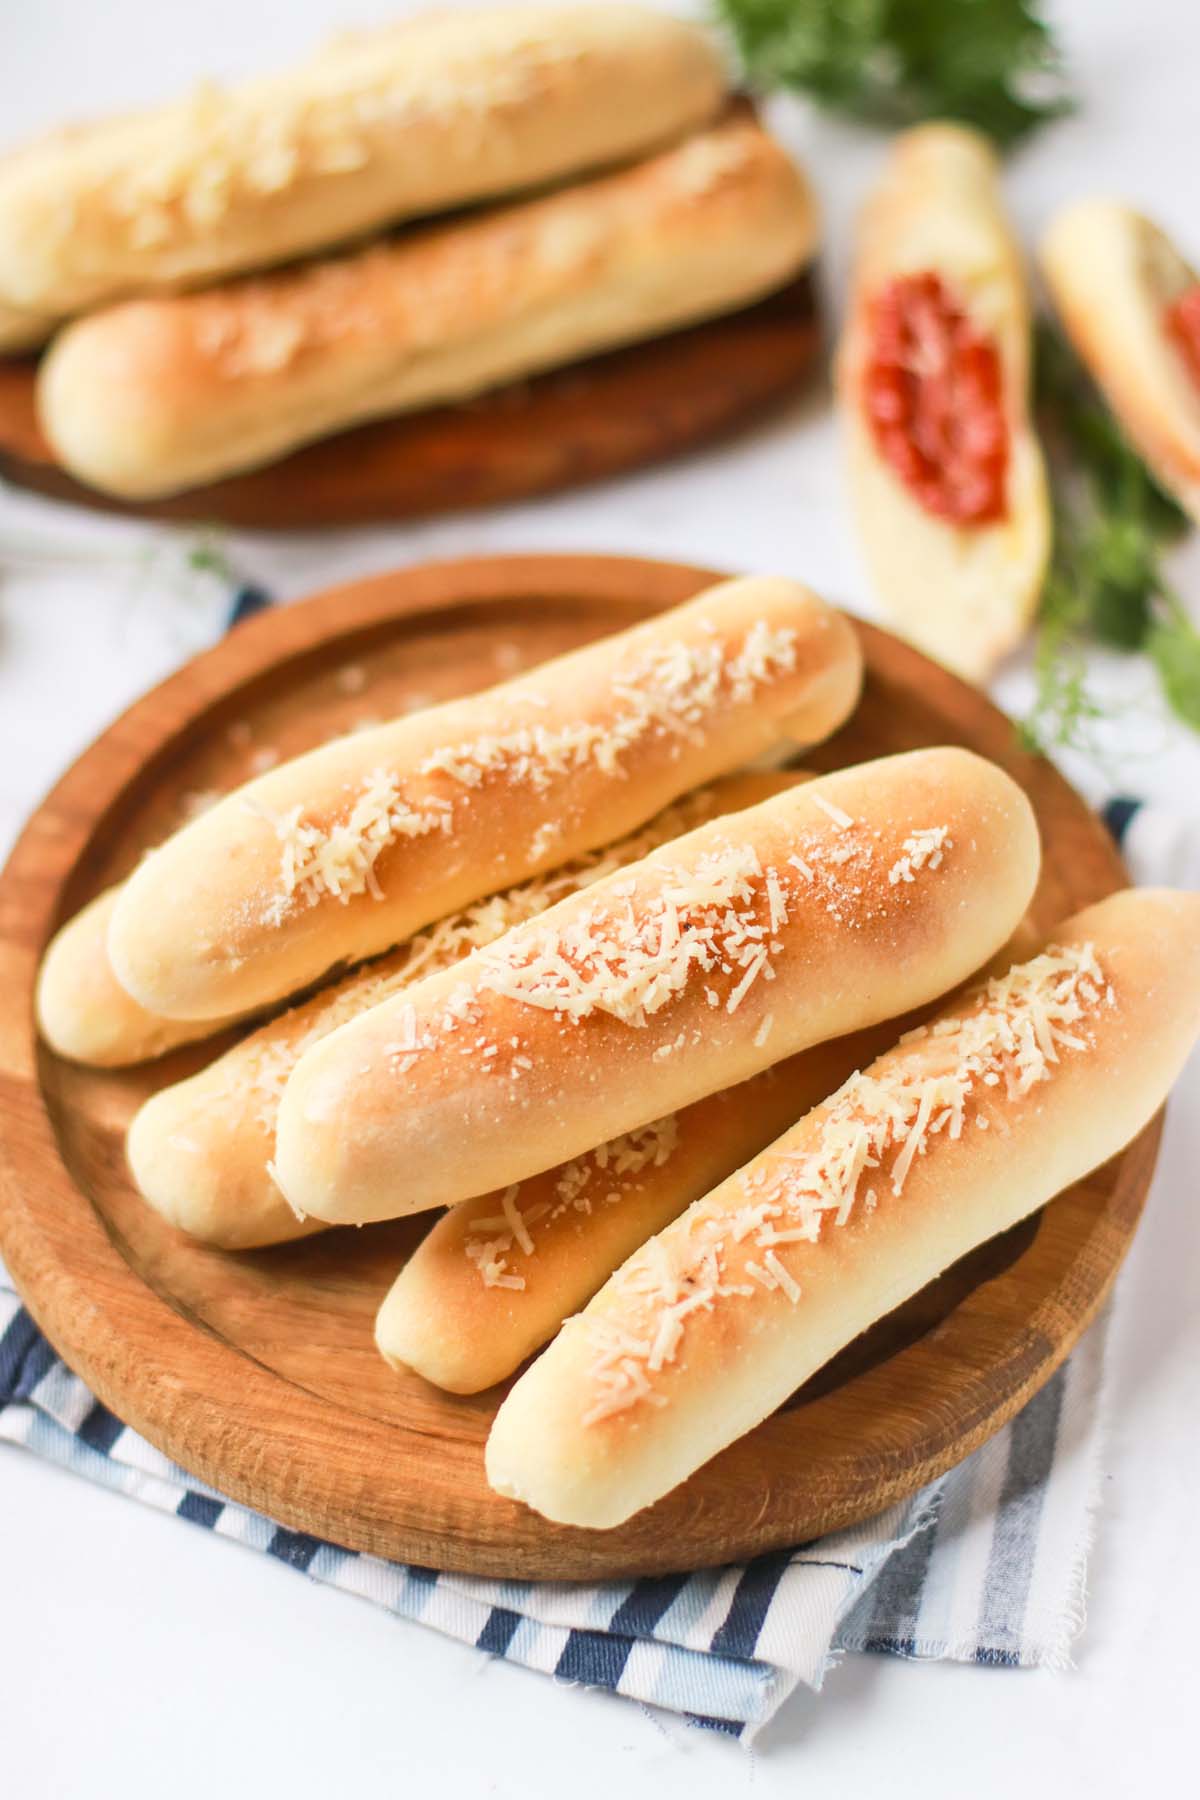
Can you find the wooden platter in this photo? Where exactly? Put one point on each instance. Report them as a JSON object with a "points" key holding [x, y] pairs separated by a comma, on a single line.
{"points": [[257, 1372], [563, 429]]}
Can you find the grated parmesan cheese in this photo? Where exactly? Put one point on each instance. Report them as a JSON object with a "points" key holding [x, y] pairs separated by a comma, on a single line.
{"points": [[1010, 1036], [338, 861], [622, 1160], [921, 849], [717, 919], [253, 1075], [841, 819], [671, 690], [700, 920]]}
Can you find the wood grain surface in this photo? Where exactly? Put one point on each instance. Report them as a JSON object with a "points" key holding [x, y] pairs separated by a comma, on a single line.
{"points": [[574, 425], [257, 1371]]}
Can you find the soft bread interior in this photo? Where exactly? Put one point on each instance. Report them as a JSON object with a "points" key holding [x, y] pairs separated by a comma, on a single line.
{"points": [[965, 594], [1112, 274]]}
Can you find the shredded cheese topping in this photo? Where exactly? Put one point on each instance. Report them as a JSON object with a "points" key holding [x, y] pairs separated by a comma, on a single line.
{"points": [[257, 1070], [857, 1150], [923, 849], [606, 1176], [269, 138], [670, 690], [338, 862], [630, 963], [717, 921]]}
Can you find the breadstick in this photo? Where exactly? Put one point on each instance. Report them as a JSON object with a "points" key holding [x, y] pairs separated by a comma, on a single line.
{"points": [[376, 127], [933, 382], [496, 1277], [200, 1150], [163, 394], [84, 1013], [964, 1128], [343, 852], [1130, 304], [853, 899]]}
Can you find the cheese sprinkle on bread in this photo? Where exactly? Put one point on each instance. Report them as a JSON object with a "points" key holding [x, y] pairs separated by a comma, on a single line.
{"points": [[748, 940], [970, 1123], [341, 853]]}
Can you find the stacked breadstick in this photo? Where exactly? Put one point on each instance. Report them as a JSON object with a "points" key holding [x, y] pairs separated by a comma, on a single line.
{"points": [[671, 1044], [249, 270]]}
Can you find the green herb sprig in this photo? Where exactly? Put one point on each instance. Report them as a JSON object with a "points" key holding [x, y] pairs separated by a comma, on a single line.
{"points": [[992, 63], [1113, 525]]}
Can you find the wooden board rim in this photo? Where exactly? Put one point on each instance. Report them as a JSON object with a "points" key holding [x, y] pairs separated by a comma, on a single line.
{"points": [[81, 1313]]}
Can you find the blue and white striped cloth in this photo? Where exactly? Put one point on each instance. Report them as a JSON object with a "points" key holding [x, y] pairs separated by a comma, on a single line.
{"points": [[986, 1566]]}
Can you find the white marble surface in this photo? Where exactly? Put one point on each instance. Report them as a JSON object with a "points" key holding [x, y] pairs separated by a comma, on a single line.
{"points": [[140, 1656]]}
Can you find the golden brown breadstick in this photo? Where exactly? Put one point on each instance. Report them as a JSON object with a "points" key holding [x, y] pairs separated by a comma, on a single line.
{"points": [[163, 394], [496, 1277], [82, 1010], [343, 852], [377, 126], [1130, 304], [200, 1150], [853, 899], [933, 382], [969, 1124]]}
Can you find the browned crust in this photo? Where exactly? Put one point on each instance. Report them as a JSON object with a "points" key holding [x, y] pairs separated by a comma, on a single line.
{"points": [[367, 1133], [158, 394], [195, 934], [375, 127], [739, 1354]]}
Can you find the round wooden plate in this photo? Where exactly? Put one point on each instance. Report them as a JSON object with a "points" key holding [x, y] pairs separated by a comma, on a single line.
{"points": [[574, 425], [258, 1371]]}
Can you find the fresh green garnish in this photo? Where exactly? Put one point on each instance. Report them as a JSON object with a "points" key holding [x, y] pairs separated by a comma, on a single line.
{"points": [[1112, 527], [991, 63], [1173, 645], [206, 554]]}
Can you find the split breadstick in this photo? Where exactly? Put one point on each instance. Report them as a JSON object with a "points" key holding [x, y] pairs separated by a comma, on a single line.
{"points": [[158, 395], [378, 126], [933, 384], [968, 1125], [814, 914], [346, 851], [1130, 304], [200, 1150]]}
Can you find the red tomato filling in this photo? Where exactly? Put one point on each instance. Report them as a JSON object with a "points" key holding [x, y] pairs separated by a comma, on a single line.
{"points": [[1183, 328], [933, 395]]}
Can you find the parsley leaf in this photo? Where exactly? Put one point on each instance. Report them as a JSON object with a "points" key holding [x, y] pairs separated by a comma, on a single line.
{"points": [[1173, 644], [992, 63]]}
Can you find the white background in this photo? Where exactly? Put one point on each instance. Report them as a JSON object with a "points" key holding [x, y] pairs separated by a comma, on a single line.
{"points": [[140, 1656]]}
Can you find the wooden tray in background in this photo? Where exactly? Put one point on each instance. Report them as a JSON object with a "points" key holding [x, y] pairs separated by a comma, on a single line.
{"points": [[572, 426], [258, 1371]]}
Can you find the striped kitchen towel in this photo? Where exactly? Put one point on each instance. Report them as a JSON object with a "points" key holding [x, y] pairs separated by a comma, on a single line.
{"points": [[987, 1566]]}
